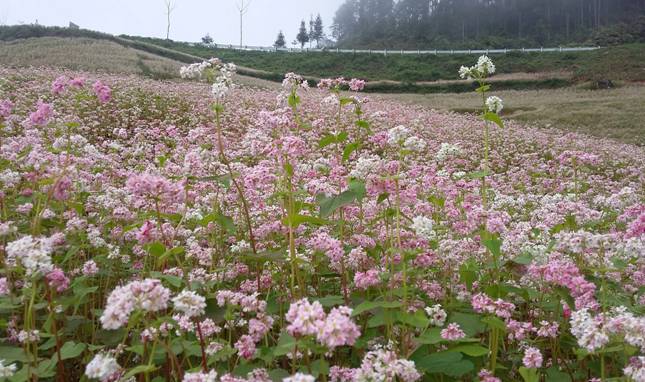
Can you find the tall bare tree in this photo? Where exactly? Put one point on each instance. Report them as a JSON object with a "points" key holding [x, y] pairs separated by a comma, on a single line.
{"points": [[243, 8], [170, 7]]}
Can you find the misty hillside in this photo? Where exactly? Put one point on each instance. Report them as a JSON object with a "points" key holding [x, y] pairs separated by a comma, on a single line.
{"points": [[488, 23]]}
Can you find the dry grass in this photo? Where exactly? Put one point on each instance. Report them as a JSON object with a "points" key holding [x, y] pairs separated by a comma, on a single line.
{"points": [[617, 113], [84, 54]]}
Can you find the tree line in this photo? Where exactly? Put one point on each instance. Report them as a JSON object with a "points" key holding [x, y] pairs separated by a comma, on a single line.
{"points": [[476, 23]]}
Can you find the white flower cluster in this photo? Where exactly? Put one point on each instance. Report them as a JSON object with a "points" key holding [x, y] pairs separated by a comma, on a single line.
{"points": [[293, 81], [103, 367], [483, 68], [414, 144], [9, 178], [148, 295], [494, 104], [423, 227], [7, 371], [240, 246], [593, 332], [447, 150], [190, 303], [32, 253], [299, 377], [636, 369], [213, 68], [365, 166], [200, 377], [436, 314], [224, 81], [196, 71], [397, 135], [384, 365]]}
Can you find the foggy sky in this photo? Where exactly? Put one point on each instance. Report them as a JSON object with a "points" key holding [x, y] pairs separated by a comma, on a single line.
{"points": [[191, 19]]}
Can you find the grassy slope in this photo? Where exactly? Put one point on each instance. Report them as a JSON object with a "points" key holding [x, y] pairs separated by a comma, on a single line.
{"points": [[615, 113], [85, 54], [616, 63], [89, 54]]}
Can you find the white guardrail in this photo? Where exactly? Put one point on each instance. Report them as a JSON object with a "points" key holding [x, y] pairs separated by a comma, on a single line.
{"points": [[385, 52]]}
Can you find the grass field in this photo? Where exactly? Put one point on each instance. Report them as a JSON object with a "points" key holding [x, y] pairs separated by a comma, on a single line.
{"points": [[615, 113], [615, 63], [85, 54]]}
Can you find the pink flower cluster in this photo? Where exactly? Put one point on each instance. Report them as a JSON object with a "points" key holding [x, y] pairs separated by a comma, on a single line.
{"points": [[332, 330], [42, 115], [155, 187], [483, 304], [102, 91], [566, 274]]}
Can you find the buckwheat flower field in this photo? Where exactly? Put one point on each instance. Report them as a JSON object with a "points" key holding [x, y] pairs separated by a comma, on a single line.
{"points": [[198, 231]]}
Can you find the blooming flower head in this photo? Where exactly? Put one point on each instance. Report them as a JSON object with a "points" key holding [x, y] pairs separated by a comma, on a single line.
{"points": [[453, 332], [397, 135], [102, 91], [304, 318], [148, 295], [211, 376], [338, 329], [436, 315], [42, 115], [189, 303], [102, 367], [7, 371], [32, 253], [532, 358], [300, 377], [423, 227], [482, 69], [494, 104]]}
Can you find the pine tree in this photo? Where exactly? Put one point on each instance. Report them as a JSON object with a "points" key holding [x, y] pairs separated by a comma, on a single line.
{"points": [[207, 39], [280, 41], [319, 31], [303, 36]]}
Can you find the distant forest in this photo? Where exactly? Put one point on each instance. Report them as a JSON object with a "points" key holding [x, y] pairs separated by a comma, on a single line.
{"points": [[487, 23]]}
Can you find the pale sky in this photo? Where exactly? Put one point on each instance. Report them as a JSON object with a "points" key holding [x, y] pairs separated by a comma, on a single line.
{"points": [[191, 19]]}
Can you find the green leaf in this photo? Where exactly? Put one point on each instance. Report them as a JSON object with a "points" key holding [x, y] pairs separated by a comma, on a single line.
{"points": [[349, 149], [495, 323], [529, 375], [294, 100], [319, 367], [71, 350], [555, 375], [296, 220], [417, 319], [13, 353], [494, 246], [140, 369], [330, 204], [478, 174], [493, 117], [358, 187], [472, 350], [471, 324], [286, 344], [277, 375], [329, 301], [326, 140], [371, 305], [523, 259], [446, 362], [363, 124], [156, 249]]}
